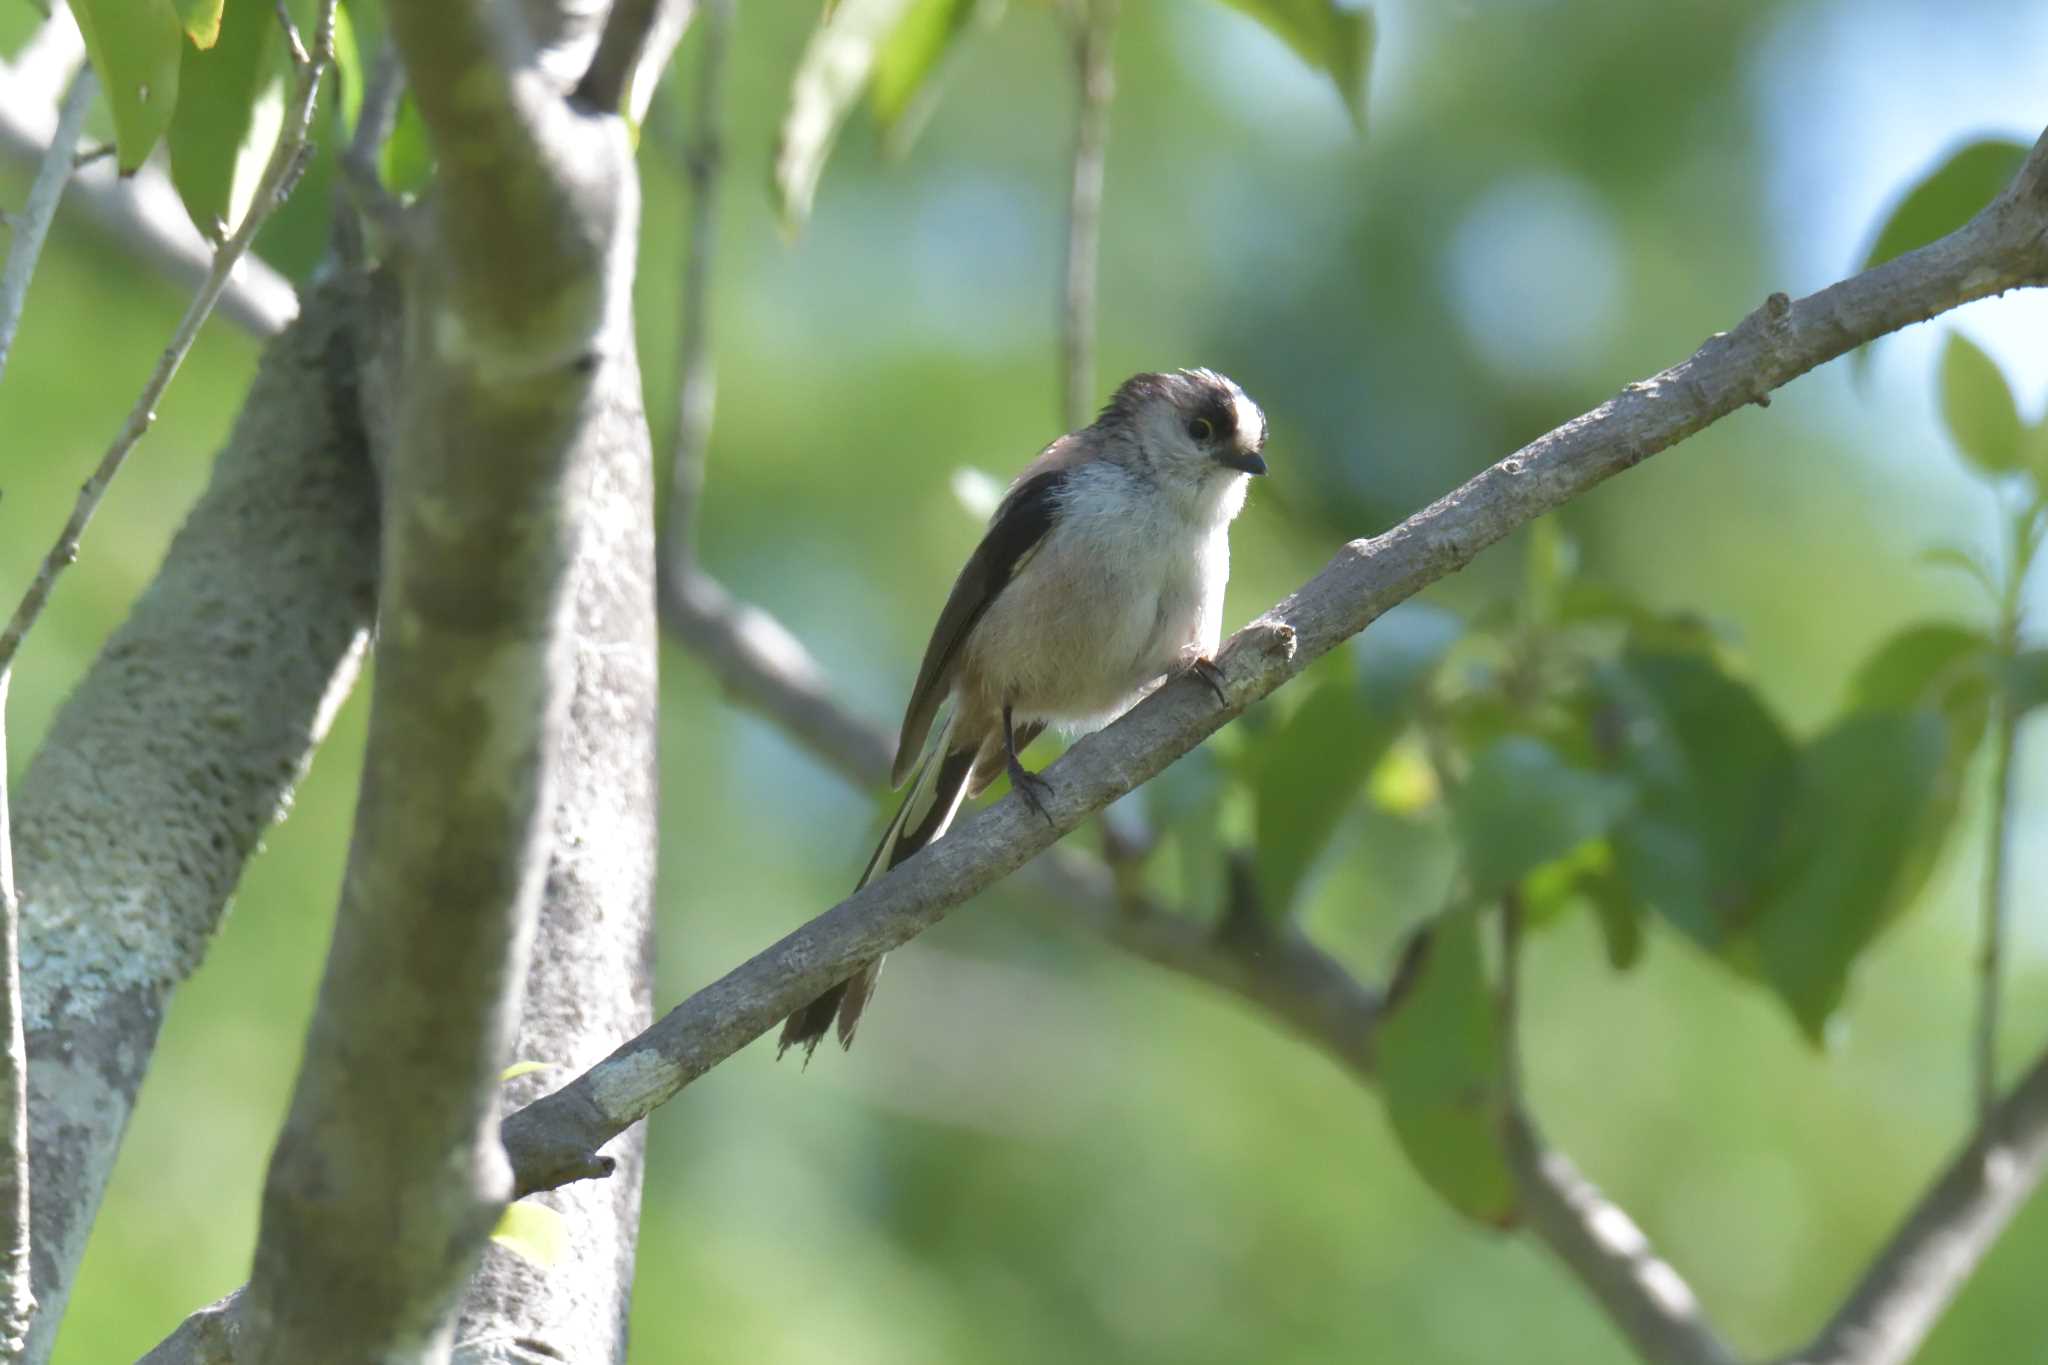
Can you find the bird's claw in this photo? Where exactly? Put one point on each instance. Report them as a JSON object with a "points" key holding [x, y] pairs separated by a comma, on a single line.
{"points": [[1032, 788], [1208, 672]]}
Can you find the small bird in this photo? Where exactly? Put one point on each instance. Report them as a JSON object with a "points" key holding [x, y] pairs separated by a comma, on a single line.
{"points": [[1101, 574]]}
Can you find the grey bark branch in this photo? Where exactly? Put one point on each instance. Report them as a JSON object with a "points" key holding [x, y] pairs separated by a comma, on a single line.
{"points": [[555, 1138], [387, 1177], [279, 173], [1094, 87], [590, 982], [696, 368], [174, 754], [1600, 1244], [29, 227], [1932, 1255]]}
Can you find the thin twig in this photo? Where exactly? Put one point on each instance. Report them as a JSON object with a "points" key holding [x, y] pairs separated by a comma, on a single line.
{"points": [[696, 365], [32, 225], [1095, 86], [279, 175], [2004, 738]]}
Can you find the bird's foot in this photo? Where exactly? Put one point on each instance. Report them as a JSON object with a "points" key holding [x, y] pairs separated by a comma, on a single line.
{"points": [[1031, 787], [1208, 672]]}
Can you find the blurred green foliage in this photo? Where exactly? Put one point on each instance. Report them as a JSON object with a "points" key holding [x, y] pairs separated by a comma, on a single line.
{"points": [[1727, 696]]}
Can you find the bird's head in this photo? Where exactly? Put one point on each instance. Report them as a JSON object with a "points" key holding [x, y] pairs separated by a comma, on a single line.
{"points": [[1194, 428]]}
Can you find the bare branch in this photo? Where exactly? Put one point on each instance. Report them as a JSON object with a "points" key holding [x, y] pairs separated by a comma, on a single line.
{"points": [[1095, 86], [696, 367], [278, 176], [141, 213], [555, 1138], [1611, 1257], [29, 227], [1934, 1252]]}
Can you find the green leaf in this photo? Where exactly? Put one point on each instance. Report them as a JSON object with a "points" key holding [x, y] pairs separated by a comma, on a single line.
{"points": [[1964, 561], [525, 1068], [1947, 197], [1866, 787], [829, 77], [214, 162], [535, 1231], [135, 46], [406, 165], [1619, 916], [2026, 680], [202, 19], [910, 64], [1400, 652], [1336, 40], [1714, 770], [1977, 406], [1522, 806], [1920, 666], [1443, 1073], [1550, 564], [349, 71], [1310, 771]]}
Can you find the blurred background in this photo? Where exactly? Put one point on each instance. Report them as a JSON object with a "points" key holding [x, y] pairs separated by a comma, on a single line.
{"points": [[1042, 1150]]}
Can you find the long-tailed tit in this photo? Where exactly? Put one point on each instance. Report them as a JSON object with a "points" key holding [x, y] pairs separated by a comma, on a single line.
{"points": [[1101, 574]]}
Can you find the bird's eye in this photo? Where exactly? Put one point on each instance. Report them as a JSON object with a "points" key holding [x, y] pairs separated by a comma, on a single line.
{"points": [[1201, 429]]}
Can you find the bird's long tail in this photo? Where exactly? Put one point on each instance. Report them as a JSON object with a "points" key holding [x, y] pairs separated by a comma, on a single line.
{"points": [[928, 808]]}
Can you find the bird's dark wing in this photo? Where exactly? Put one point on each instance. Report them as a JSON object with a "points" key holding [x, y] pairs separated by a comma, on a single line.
{"points": [[1014, 533]]}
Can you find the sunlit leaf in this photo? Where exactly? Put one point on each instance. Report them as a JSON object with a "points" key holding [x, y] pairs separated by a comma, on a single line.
{"points": [[1310, 771], [202, 19], [1443, 1074], [135, 46], [1714, 772], [349, 71], [406, 164], [910, 64], [525, 1068], [835, 67], [1948, 197], [1864, 790], [1335, 39], [1522, 805], [215, 160], [1977, 406], [535, 1231]]}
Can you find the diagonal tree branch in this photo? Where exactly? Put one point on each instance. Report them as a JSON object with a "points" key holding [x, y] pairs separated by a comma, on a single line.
{"points": [[1934, 1252], [173, 756], [2004, 247]]}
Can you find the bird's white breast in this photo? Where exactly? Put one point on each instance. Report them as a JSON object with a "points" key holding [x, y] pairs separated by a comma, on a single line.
{"points": [[1126, 587]]}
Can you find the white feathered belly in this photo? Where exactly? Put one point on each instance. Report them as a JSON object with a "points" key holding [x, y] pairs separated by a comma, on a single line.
{"points": [[1083, 631]]}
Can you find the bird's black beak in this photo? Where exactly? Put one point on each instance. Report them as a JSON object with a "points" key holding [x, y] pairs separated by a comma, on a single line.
{"points": [[1244, 461]]}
